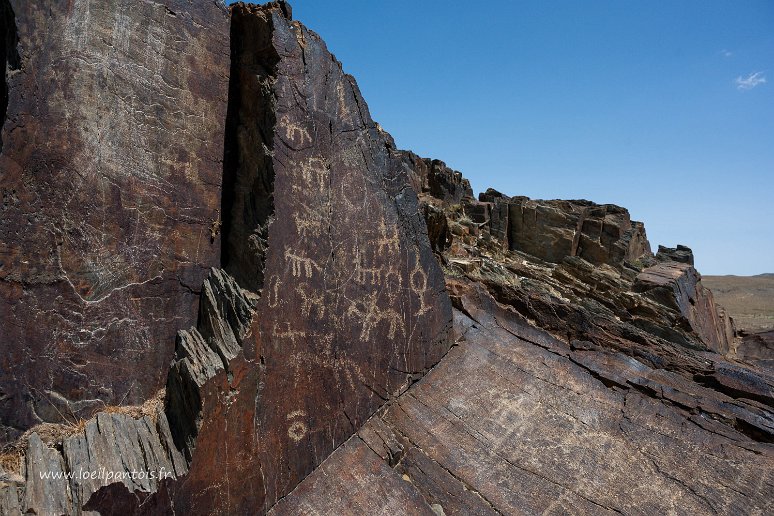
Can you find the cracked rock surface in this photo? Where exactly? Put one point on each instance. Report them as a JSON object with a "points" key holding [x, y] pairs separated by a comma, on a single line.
{"points": [[110, 174], [515, 421]]}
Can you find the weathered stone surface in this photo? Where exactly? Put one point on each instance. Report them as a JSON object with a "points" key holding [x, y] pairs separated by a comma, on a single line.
{"points": [[110, 173], [433, 177], [680, 254], [552, 230], [756, 348], [678, 286], [354, 468], [515, 421], [112, 449]]}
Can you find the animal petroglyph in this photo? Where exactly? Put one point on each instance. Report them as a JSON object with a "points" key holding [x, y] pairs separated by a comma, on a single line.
{"points": [[370, 314], [311, 221], [302, 267], [345, 370], [387, 241], [311, 302], [294, 133], [284, 331], [315, 173]]}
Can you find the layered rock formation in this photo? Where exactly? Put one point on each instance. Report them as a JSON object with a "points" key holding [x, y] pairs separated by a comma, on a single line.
{"points": [[586, 375], [517, 421], [589, 377]]}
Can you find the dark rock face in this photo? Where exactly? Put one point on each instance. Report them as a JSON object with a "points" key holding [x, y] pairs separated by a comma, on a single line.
{"points": [[110, 175], [332, 302], [552, 230], [352, 303], [681, 254], [678, 286]]}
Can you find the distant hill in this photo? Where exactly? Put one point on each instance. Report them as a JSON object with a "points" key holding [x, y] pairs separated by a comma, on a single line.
{"points": [[749, 299]]}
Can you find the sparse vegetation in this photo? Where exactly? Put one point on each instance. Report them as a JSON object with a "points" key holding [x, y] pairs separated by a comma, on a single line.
{"points": [[749, 299]]}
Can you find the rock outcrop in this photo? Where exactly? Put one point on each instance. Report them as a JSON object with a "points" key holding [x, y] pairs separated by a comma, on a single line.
{"points": [[370, 338], [331, 301], [517, 421], [681, 254], [434, 178], [677, 285], [110, 173]]}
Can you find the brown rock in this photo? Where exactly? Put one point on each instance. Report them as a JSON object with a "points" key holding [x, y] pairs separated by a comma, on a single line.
{"points": [[552, 230], [678, 285], [515, 422], [110, 175], [434, 178]]}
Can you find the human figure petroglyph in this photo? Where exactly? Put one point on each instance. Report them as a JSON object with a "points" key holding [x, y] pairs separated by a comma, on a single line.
{"points": [[418, 280]]}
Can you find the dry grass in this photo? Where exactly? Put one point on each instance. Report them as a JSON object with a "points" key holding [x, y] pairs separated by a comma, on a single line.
{"points": [[11, 461], [53, 434], [749, 299]]}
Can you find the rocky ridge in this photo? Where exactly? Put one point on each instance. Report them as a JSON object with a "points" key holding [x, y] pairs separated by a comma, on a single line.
{"points": [[585, 374]]}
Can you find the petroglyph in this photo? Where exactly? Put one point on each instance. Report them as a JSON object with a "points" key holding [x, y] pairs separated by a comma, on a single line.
{"points": [[302, 266], [370, 314], [315, 173], [283, 330], [312, 301], [344, 369], [297, 429], [311, 221], [419, 287], [294, 133], [273, 287], [387, 241]]}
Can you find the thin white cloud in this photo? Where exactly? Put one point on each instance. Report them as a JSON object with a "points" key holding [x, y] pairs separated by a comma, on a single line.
{"points": [[750, 82], [726, 53]]}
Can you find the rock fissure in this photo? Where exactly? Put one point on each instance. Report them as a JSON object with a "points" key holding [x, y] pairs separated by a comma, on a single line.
{"points": [[10, 58]]}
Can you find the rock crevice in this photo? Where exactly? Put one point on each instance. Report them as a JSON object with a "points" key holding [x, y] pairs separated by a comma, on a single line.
{"points": [[10, 57]]}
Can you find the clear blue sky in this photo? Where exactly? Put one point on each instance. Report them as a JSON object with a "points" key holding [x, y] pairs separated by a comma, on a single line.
{"points": [[653, 105]]}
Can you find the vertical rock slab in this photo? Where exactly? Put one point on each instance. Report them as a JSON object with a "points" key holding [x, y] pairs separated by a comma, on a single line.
{"points": [[324, 225], [110, 173]]}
